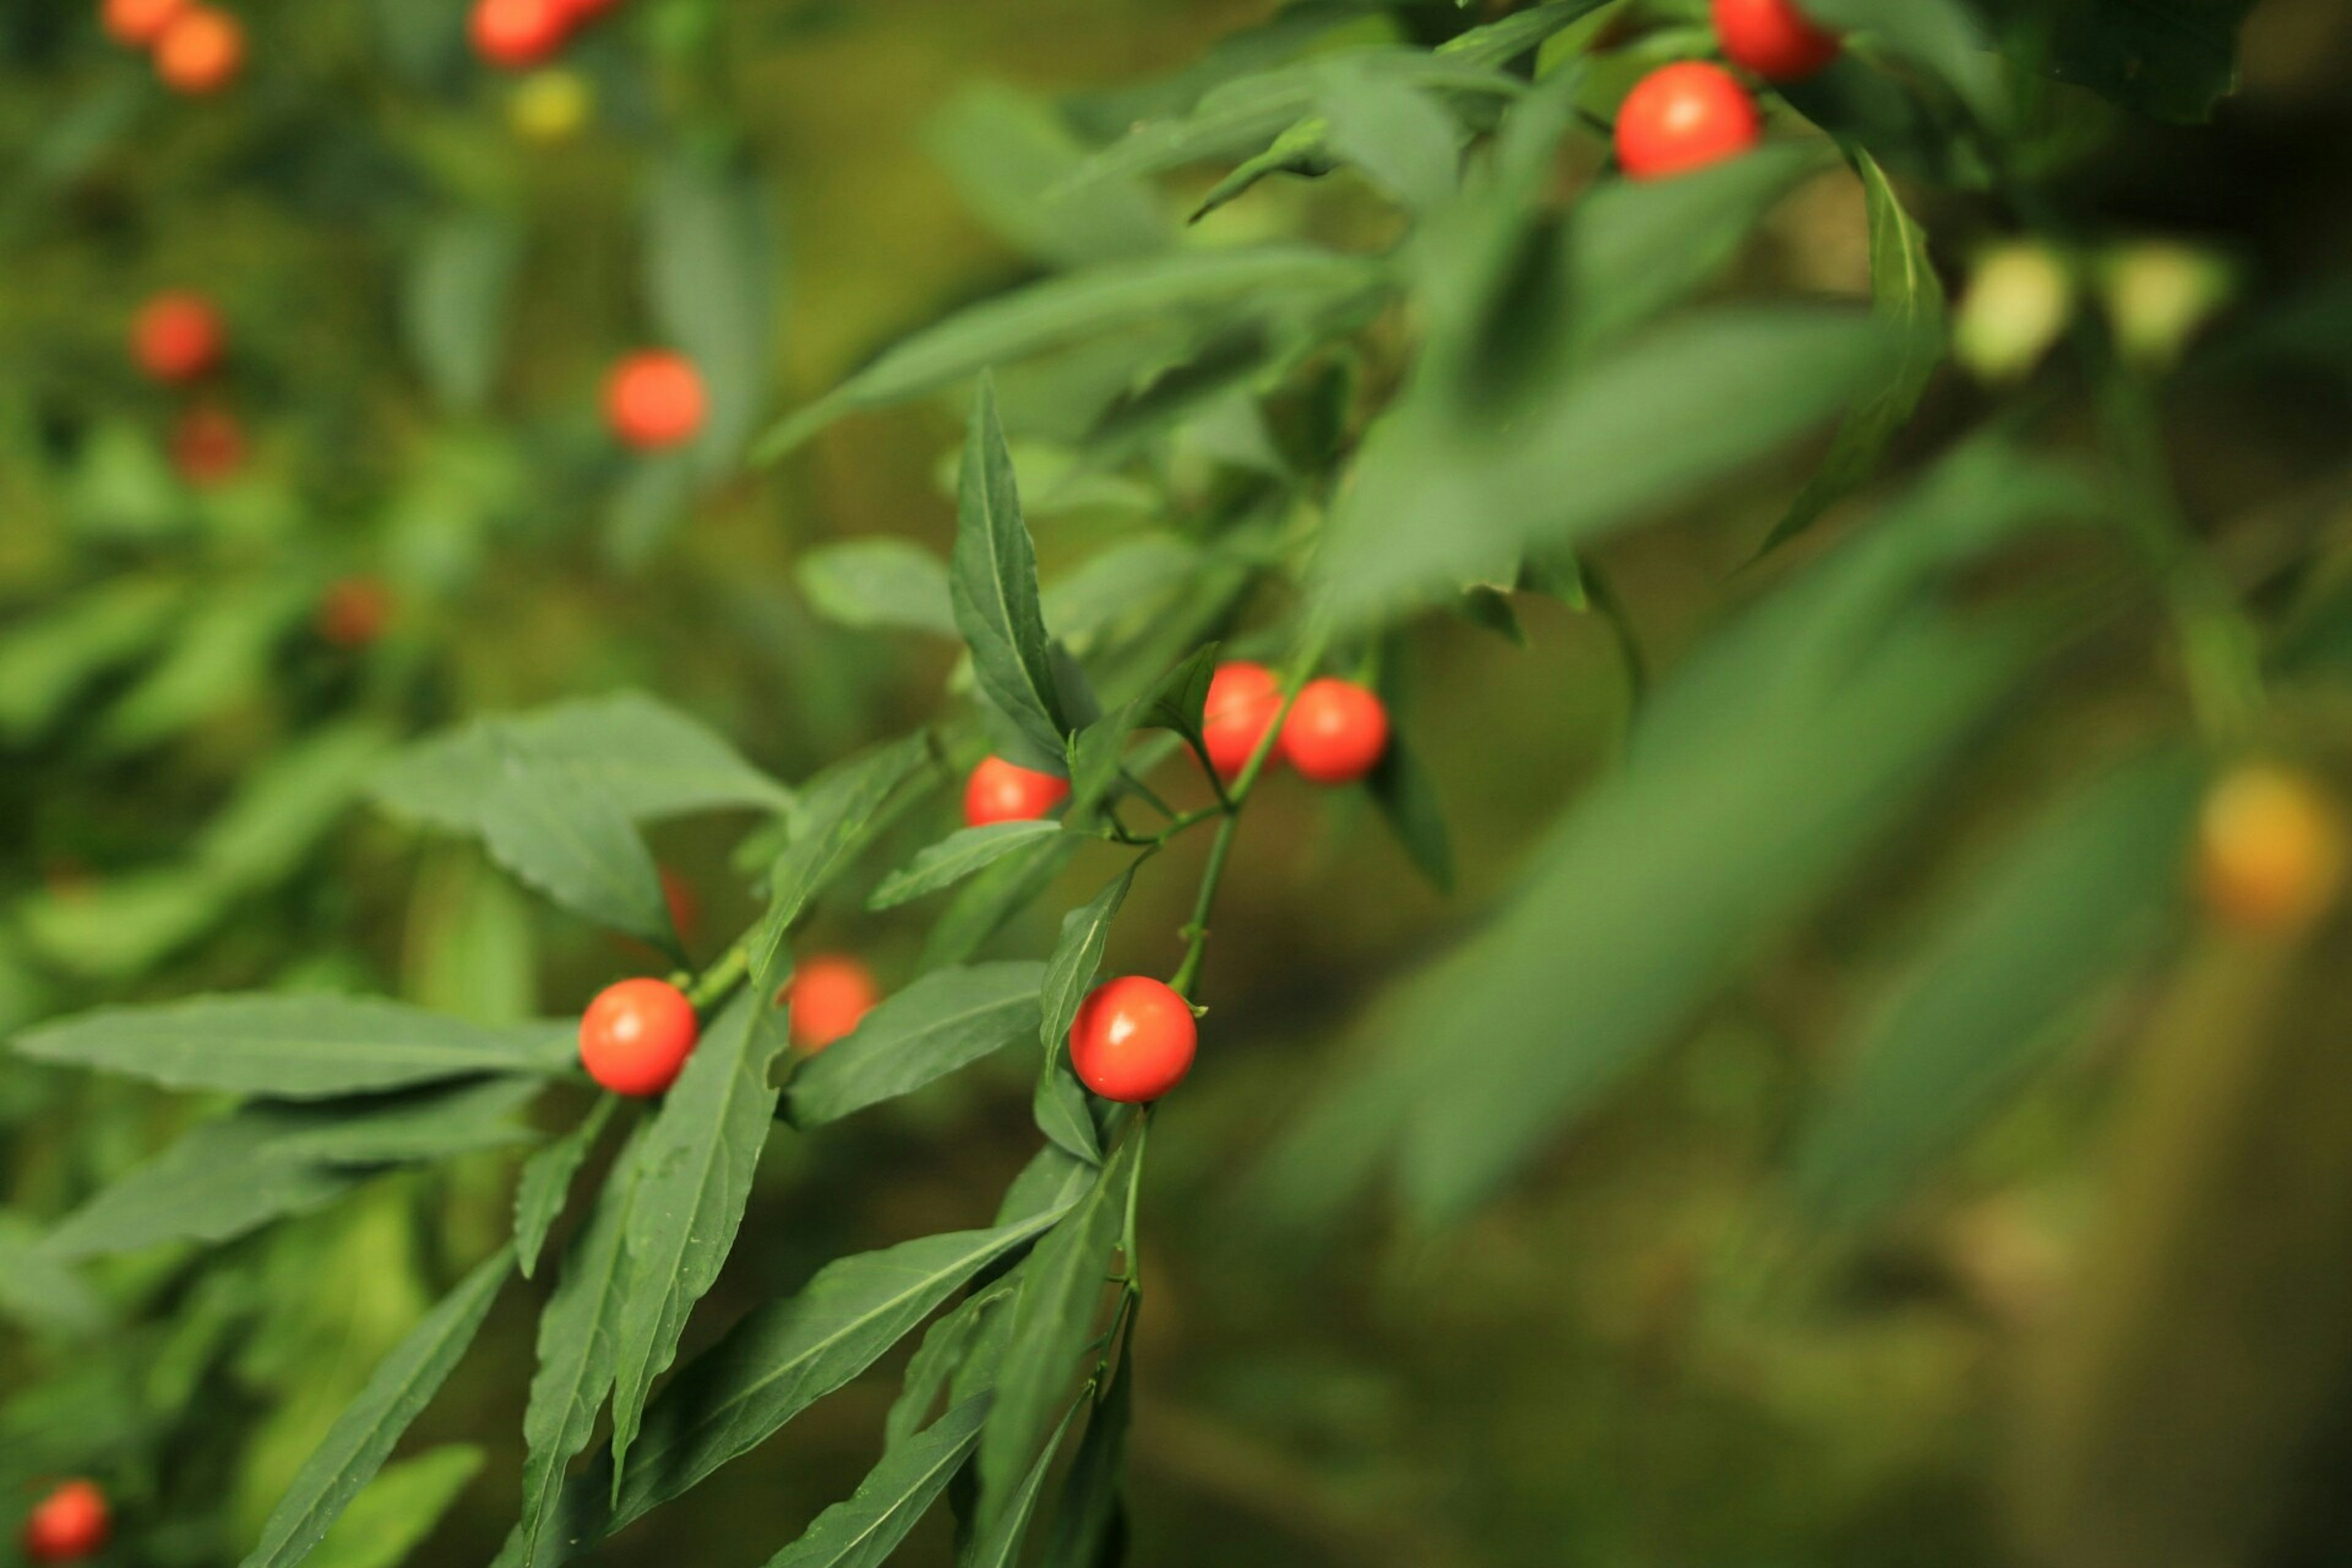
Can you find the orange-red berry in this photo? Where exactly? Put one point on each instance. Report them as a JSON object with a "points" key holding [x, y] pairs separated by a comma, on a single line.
{"points": [[139, 23], [1773, 38], [1683, 117], [2272, 851], [69, 1525], [518, 34], [209, 445], [1245, 700], [178, 336], [636, 1035], [827, 996], [354, 612], [200, 50], [655, 399], [999, 791], [1133, 1039], [1337, 732]]}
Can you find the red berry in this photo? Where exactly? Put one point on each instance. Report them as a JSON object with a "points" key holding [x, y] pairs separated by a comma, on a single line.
{"points": [[207, 445], [655, 399], [177, 337], [200, 50], [636, 1035], [1133, 1039], [827, 996], [515, 33], [69, 1525], [685, 908], [1245, 700], [354, 612], [1336, 733], [1773, 39], [999, 791], [139, 21], [1683, 117]]}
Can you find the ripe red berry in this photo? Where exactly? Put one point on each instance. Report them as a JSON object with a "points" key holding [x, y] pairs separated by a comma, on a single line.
{"points": [[1133, 1039], [69, 1524], [1336, 733], [178, 336], [1683, 117], [200, 50], [139, 23], [354, 612], [655, 399], [1773, 38], [999, 791], [208, 446], [1244, 701], [827, 996], [516, 34], [636, 1035]]}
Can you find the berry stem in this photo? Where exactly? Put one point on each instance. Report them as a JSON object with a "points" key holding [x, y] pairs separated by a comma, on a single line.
{"points": [[718, 982]]}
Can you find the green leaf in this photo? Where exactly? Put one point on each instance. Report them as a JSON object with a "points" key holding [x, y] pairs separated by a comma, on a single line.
{"points": [[775, 1364], [363, 1435], [842, 811], [399, 1509], [1271, 282], [1069, 975], [1006, 151], [653, 759], [2173, 60], [287, 802], [40, 1292], [865, 1530], [948, 1019], [945, 1344], [219, 658], [1906, 295], [1497, 44], [1401, 137], [2009, 969], [878, 583], [1638, 429], [956, 856], [996, 896], [1400, 787], [712, 256], [700, 1152], [546, 1181], [561, 831], [454, 304], [579, 1347], [1086, 1520], [47, 659], [429, 1123], [296, 1048], [1053, 1317], [1943, 36], [648, 506], [994, 586], [999, 1546]]}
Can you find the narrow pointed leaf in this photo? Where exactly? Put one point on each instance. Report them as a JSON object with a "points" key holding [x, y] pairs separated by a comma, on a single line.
{"points": [[937, 1360], [838, 815], [1069, 973], [984, 904], [1088, 1517], [863, 1532], [999, 1546], [993, 584], [956, 856], [944, 1021], [546, 1183]]}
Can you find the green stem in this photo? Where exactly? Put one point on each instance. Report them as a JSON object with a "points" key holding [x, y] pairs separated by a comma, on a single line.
{"points": [[718, 982]]}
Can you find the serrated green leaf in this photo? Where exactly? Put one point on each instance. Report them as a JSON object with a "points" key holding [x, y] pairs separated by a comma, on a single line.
{"points": [[546, 1181], [843, 810], [2011, 963], [948, 1019], [1906, 295], [879, 581], [453, 304], [399, 1509], [700, 1152], [296, 1048], [993, 585], [865, 1530], [951, 859], [363, 1435], [1053, 1317]]}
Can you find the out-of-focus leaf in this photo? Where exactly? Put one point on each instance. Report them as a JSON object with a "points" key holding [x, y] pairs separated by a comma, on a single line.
{"points": [[1051, 1319], [364, 1435], [648, 506], [1403, 139], [546, 1181], [289, 802], [453, 304], [2174, 59], [219, 656], [1497, 44], [700, 1152], [45, 661], [1133, 577], [712, 258], [2009, 968], [1400, 787], [994, 897], [1006, 151], [954, 858], [559, 829], [296, 1048], [993, 585], [1906, 295], [469, 948], [399, 1509], [1272, 282], [948, 1019], [1943, 36], [39, 1292], [865, 1530], [840, 813], [879, 581]]}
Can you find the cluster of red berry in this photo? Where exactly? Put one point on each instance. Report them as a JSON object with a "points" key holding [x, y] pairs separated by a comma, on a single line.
{"points": [[1692, 114], [178, 341], [69, 1525], [197, 48], [517, 33], [636, 1035]]}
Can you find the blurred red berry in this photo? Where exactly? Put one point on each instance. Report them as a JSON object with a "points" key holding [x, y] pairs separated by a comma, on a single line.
{"points": [[1337, 732], [999, 791], [69, 1525], [1133, 1039], [139, 23], [1683, 117], [1773, 38], [354, 612], [208, 446], [516, 34], [827, 995], [177, 337], [1245, 700], [685, 908], [200, 50], [655, 399], [636, 1035]]}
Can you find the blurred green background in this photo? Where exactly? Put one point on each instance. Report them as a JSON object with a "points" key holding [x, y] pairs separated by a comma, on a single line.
{"points": [[1633, 1360]]}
